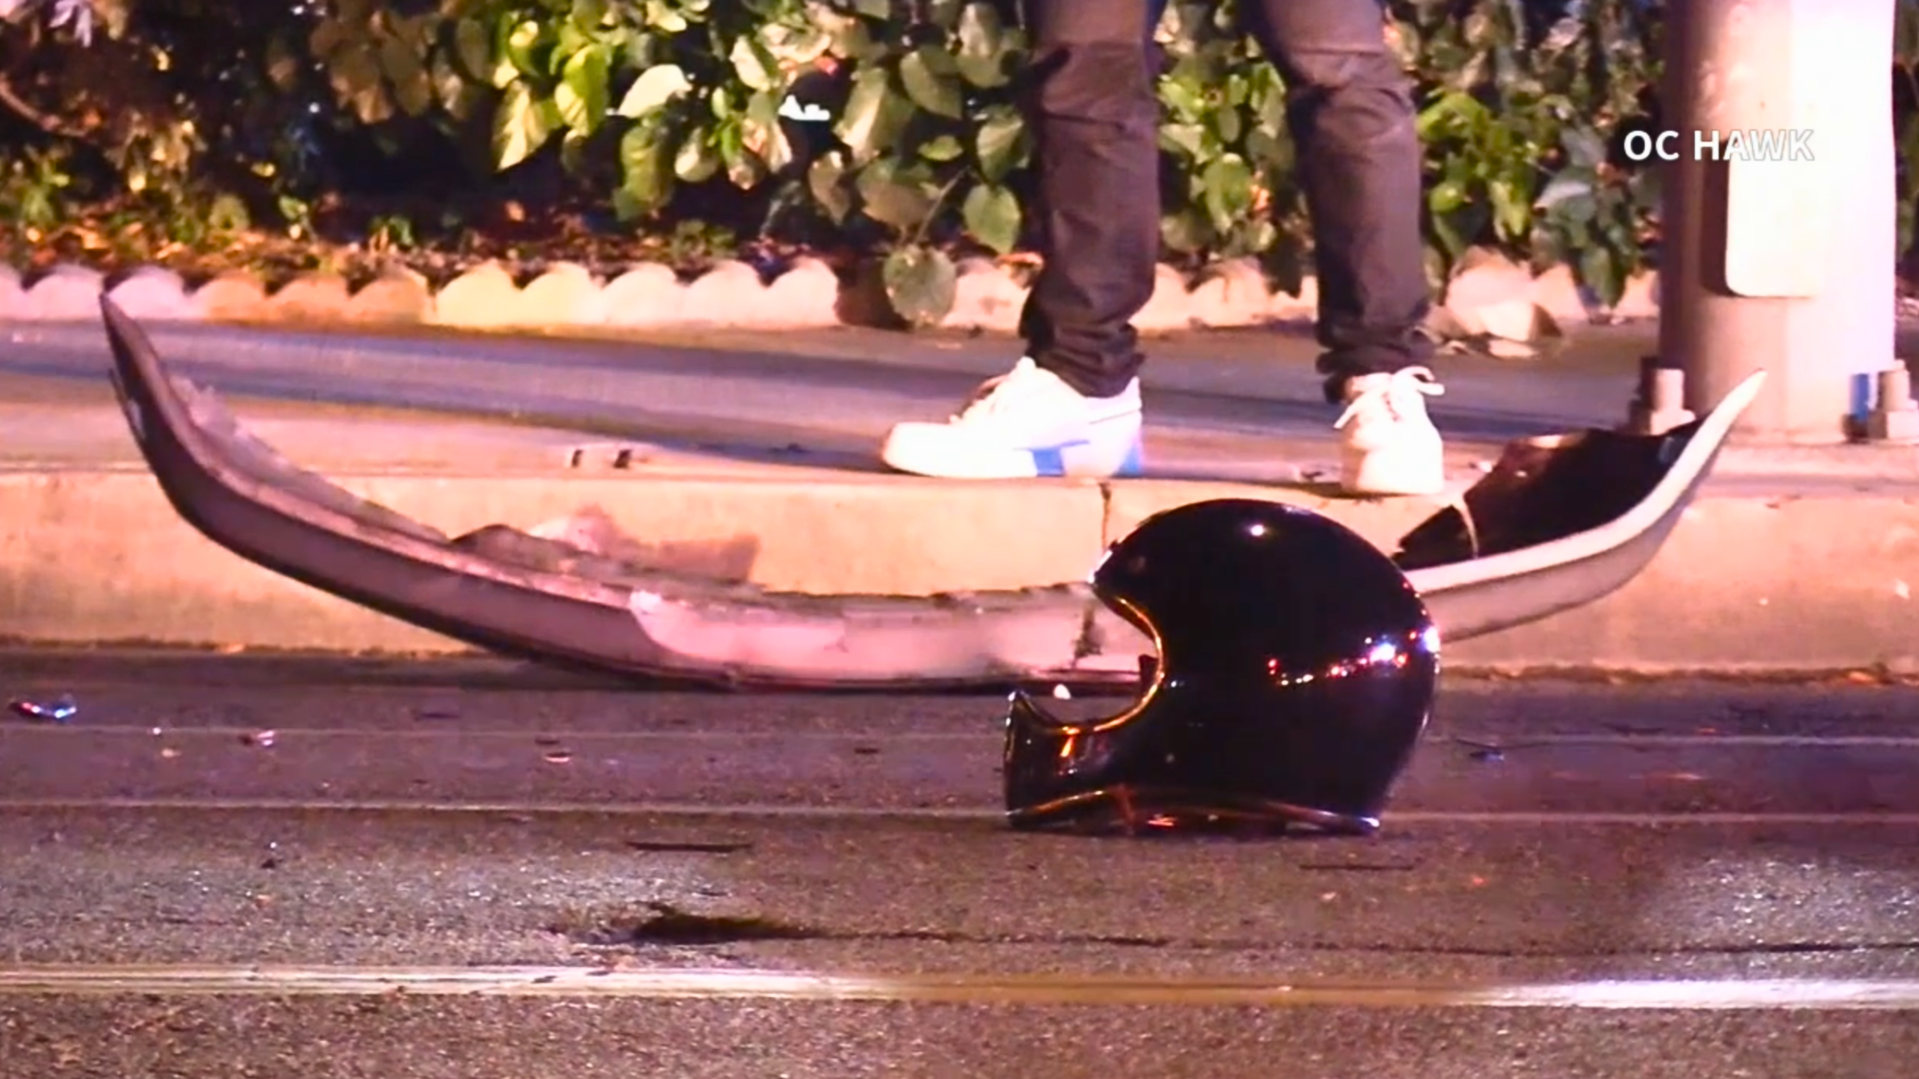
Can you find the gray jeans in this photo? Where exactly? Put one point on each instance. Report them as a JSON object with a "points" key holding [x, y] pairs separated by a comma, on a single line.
{"points": [[1089, 101]]}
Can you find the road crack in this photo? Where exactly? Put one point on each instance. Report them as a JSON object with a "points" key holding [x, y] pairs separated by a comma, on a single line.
{"points": [[659, 924]]}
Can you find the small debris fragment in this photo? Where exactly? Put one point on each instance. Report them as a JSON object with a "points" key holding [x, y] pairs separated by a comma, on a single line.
{"points": [[558, 756], [436, 711], [57, 711], [1482, 751], [1060, 692], [262, 739], [168, 753]]}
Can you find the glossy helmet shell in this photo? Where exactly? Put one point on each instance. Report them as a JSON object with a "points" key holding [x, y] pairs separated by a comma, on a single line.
{"points": [[1296, 671]]}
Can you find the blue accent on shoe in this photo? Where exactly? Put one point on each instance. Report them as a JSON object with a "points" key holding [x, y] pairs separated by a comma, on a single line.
{"points": [[1050, 461]]}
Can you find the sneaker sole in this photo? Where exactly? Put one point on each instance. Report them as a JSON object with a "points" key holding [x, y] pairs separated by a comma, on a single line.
{"points": [[1080, 459]]}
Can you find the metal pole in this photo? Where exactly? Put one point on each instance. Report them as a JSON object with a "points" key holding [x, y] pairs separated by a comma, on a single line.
{"points": [[1777, 264]]}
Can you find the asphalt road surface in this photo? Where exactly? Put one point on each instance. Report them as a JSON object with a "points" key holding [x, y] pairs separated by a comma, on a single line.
{"points": [[232, 866]]}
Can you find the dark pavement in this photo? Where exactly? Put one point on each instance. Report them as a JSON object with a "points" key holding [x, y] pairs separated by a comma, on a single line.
{"points": [[580, 881]]}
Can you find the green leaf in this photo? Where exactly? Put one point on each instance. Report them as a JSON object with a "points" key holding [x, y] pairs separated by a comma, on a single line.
{"points": [[354, 72], [826, 180], [761, 132], [653, 89], [999, 142], [660, 16], [327, 37], [1273, 154], [743, 168], [1512, 214], [1584, 148], [590, 14], [921, 284], [1227, 191], [407, 74], [1446, 196], [1184, 97], [1186, 140], [794, 47], [1269, 103], [942, 148], [983, 54], [755, 67], [1600, 272], [893, 196], [874, 116], [1186, 231], [697, 160], [449, 86], [582, 93], [927, 88], [852, 40], [1450, 241], [284, 63], [1570, 184], [228, 214], [518, 48], [992, 216], [568, 41], [521, 125], [646, 182], [473, 49], [1227, 125]]}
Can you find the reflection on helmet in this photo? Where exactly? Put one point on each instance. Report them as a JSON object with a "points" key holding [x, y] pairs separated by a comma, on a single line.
{"points": [[1296, 671]]}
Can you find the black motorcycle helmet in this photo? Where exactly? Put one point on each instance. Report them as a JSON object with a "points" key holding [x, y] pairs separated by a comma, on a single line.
{"points": [[1296, 671]]}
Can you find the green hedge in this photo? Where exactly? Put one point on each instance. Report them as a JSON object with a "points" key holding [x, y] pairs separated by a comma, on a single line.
{"points": [[650, 106], [1518, 114]]}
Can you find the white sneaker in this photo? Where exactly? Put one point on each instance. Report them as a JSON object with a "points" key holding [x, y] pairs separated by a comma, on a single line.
{"points": [[1390, 445], [1024, 424]]}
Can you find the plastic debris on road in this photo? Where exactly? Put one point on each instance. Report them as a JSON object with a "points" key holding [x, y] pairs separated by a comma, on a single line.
{"points": [[57, 711], [1484, 752]]}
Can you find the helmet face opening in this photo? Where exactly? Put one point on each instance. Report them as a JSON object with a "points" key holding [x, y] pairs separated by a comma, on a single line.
{"points": [[1296, 669]]}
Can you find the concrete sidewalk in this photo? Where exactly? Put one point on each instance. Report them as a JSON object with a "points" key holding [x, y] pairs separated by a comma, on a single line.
{"points": [[1795, 561]]}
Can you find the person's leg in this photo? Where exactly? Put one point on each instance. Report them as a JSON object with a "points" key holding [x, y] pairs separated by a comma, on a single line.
{"points": [[1071, 406], [1352, 118], [1094, 117]]}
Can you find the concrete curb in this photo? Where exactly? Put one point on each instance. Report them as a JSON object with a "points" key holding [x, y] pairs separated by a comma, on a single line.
{"points": [[1490, 297], [1747, 584]]}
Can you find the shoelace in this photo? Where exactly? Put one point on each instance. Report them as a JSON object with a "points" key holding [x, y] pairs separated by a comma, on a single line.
{"points": [[1410, 380], [988, 399]]}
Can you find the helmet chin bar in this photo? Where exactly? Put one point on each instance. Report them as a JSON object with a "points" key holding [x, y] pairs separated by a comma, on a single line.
{"points": [[1129, 808]]}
